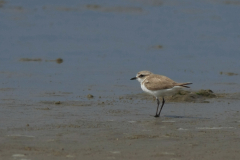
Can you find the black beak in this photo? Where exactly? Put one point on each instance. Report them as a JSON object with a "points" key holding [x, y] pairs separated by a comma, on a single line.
{"points": [[133, 78]]}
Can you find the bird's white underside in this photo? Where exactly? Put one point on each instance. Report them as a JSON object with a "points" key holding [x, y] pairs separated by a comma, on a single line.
{"points": [[162, 92]]}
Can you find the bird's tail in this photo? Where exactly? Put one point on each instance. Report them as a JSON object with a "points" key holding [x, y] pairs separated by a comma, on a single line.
{"points": [[184, 84]]}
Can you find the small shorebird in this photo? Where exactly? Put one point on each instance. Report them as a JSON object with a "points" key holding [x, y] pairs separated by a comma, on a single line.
{"points": [[158, 86]]}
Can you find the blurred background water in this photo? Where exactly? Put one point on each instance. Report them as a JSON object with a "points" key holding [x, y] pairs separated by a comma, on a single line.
{"points": [[105, 43]]}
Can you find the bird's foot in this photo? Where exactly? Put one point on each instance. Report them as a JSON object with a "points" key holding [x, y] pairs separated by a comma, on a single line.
{"points": [[156, 116]]}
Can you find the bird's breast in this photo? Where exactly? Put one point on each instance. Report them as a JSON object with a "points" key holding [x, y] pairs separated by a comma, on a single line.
{"points": [[145, 89]]}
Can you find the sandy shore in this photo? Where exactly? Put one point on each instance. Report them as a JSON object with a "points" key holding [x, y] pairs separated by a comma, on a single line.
{"points": [[120, 128]]}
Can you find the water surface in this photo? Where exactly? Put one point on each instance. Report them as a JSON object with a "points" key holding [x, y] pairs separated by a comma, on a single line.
{"points": [[105, 43]]}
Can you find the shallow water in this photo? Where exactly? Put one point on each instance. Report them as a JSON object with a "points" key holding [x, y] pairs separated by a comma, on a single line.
{"points": [[104, 43]]}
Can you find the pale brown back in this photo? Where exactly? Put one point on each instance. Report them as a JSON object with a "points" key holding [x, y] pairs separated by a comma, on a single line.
{"points": [[158, 82]]}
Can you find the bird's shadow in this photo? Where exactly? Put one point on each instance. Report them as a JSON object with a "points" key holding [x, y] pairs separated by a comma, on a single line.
{"points": [[175, 116]]}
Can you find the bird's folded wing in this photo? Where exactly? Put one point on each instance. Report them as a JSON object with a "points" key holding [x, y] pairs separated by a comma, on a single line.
{"points": [[158, 82]]}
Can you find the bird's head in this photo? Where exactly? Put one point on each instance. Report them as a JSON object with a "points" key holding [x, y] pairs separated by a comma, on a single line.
{"points": [[141, 75]]}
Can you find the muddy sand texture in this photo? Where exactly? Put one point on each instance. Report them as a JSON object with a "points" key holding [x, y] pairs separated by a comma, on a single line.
{"points": [[199, 96], [228, 73], [2, 2], [58, 60], [122, 127]]}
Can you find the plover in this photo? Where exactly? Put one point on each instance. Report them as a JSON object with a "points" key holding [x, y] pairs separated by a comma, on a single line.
{"points": [[158, 86]]}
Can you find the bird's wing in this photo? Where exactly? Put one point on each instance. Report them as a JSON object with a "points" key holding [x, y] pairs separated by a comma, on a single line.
{"points": [[158, 82]]}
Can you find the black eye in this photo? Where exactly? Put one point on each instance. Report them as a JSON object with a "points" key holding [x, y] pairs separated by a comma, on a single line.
{"points": [[141, 76]]}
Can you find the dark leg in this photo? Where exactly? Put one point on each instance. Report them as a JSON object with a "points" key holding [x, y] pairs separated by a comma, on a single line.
{"points": [[157, 108], [163, 101]]}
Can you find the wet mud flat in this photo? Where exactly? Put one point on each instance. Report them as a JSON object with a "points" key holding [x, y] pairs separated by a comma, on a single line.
{"points": [[121, 127]]}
